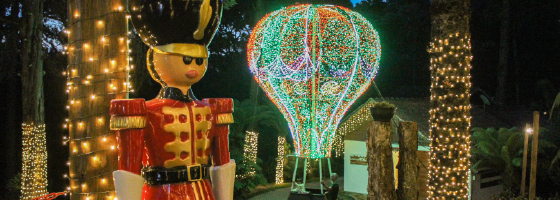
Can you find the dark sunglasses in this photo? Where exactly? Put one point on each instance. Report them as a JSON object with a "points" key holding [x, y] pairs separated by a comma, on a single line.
{"points": [[188, 60]]}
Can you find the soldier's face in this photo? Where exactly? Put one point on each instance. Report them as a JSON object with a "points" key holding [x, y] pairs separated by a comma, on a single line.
{"points": [[178, 70]]}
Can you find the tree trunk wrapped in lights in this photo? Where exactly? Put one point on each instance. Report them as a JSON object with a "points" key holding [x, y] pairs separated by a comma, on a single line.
{"points": [[98, 66], [280, 160], [450, 65], [34, 153], [250, 152]]}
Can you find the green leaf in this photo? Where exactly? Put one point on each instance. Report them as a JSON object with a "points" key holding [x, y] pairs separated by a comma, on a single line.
{"points": [[476, 164], [487, 147], [555, 104], [476, 129], [503, 136], [545, 144], [515, 143], [515, 129], [507, 159], [555, 160], [517, 162], [493, 132]]}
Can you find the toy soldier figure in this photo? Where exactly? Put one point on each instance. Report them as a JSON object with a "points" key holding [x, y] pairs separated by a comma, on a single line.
{"points": [[165, 144]]}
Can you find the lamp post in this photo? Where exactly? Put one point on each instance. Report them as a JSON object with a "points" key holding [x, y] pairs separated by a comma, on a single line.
{"points": [[534, 153], [528, 131]]}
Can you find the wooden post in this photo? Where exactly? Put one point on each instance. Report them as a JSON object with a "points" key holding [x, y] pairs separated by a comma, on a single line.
{"points": [[525, 147], [408, 163], [381, 184], [534, 153]]}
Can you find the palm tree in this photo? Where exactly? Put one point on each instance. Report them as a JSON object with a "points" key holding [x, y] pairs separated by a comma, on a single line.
{"points": [[450, 58], [502, 151]]}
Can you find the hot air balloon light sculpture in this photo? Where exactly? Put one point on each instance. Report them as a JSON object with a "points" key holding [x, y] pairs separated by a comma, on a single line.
{"points": [[313, 61]]}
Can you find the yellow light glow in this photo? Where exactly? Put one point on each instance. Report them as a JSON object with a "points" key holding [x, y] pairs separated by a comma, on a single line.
{"points": [[101, 69]]}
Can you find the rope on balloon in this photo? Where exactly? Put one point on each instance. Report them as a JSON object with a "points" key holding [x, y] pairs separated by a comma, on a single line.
{"points": [[377, 90], [50, 196]]}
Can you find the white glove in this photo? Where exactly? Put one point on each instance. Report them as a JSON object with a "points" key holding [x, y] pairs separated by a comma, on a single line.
{"points": [[128, 186], [223, 178]]}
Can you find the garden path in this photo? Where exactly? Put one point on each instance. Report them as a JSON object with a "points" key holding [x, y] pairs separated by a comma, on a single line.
{"points": [[283, 193]]}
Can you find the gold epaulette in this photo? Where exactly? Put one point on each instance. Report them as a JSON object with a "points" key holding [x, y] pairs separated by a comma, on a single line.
{"points": [[225, 118], [127, 122]]}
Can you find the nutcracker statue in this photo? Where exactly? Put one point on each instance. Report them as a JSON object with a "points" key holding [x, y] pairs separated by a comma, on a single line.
{"points": [[165, 144]]}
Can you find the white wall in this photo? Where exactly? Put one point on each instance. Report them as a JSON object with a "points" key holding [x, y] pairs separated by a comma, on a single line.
{"points": [[355, 176]]}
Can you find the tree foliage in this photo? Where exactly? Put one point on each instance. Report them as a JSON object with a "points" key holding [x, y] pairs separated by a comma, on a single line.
{"points": [[404, 29], [11, 45], [254, 117], [502, 150]]}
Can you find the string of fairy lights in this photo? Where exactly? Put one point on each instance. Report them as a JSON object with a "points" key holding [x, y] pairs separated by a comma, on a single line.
{"points": [[313, 61], [250, 153], [349, 125], [358, 118], [450, 117], [34, 166], [98, 71], [280, 160]]}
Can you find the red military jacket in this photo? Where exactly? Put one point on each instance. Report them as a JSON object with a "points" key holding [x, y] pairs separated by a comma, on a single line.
{"points": [[170, 131]]}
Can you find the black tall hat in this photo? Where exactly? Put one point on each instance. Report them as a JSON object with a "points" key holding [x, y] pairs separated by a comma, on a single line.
{"points": [[183, 27]]}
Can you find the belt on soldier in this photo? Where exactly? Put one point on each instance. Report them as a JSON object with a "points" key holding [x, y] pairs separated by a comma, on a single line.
{"points": [[181, 174]]}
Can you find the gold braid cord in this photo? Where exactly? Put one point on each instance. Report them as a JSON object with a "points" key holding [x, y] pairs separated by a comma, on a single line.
{"points": [[205, 14], [226, 118], [127, 122]]}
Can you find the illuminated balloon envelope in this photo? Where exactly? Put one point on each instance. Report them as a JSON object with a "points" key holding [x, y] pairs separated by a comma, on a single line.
{"points": [[314, 61]]}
